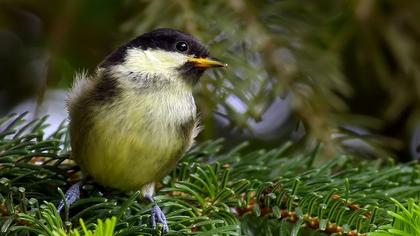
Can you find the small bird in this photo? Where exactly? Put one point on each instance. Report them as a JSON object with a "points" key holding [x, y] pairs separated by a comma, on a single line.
{"points": [[134, 118]]}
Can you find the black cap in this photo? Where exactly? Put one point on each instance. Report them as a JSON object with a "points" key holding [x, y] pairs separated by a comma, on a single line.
{"points": [[164, 39]]}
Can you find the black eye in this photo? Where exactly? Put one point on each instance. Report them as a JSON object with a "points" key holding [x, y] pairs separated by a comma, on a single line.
{"points": [[181, 46]]}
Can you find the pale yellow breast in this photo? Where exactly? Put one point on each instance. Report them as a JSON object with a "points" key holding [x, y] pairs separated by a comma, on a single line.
{"points": [[136, 140]]}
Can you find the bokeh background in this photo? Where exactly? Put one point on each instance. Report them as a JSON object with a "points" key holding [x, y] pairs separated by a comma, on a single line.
{"points": [[342, 73]]}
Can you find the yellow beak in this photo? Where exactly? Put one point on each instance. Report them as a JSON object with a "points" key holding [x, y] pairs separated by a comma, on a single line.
{"points": [[206, 62]]}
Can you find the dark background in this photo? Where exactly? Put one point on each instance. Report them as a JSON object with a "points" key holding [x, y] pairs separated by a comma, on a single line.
{"points": [[343, 73]]}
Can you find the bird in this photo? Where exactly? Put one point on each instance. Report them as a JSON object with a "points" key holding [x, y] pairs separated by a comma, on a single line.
{"points": [[133, 118]]}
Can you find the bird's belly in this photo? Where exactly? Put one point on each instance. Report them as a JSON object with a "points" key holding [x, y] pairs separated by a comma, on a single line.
{"points": [[129, 160], [128, 150]]}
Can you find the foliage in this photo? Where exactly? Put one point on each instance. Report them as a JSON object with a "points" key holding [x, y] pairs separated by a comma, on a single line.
{"points": [[49, 222], [210, 192], [406, 221]]}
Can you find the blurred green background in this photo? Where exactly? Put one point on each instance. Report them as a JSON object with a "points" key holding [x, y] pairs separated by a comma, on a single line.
{"points": [[343, 73]]}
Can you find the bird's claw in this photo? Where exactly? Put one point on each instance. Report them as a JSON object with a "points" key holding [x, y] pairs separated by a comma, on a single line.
{"points": [[71, 195], [157, 217]]}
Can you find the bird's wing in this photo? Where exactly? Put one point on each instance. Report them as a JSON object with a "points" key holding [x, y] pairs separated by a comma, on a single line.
{"points": [[82, 83], [76, 104]]}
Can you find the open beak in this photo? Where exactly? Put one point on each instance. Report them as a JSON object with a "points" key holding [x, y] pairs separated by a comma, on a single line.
{"points": [[206, 62]]}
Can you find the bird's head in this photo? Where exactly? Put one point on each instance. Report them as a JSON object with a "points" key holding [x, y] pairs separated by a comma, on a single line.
{"points": [[163, 53]]}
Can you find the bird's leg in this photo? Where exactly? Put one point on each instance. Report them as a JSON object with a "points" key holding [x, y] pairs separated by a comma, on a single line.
{"points": [[157, 215], [71, 195]]}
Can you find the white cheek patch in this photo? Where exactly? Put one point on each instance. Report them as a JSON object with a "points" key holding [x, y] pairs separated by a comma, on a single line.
{"points": [[154, 61], [150, 56]]}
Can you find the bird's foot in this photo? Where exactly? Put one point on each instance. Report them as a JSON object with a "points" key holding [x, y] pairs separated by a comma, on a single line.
{"points": [[157, 216], [71, 195]]}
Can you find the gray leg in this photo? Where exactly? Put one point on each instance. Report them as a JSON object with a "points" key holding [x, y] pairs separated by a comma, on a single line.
{"points": [[72, 194], [157, 216]]}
